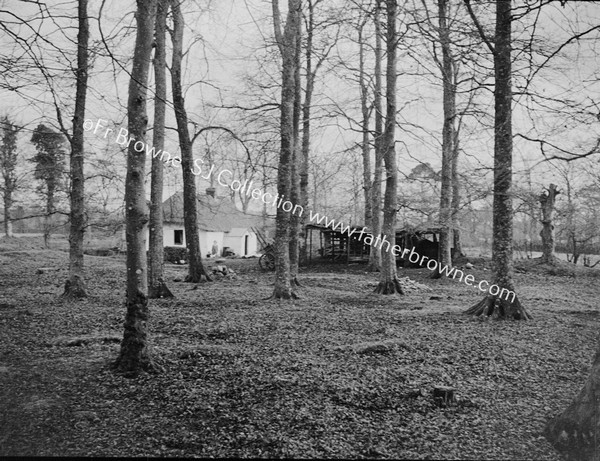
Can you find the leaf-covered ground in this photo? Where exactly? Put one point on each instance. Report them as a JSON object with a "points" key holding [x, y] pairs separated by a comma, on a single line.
{"points": [[339, 373]]}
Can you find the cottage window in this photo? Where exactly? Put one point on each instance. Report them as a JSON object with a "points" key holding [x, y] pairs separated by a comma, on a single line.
{"points": [[178, 237]]}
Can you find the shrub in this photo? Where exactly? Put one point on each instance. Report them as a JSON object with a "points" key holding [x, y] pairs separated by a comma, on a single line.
{"points": [[176, 254]]}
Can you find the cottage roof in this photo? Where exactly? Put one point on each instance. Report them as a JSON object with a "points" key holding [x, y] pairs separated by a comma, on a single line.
{"points": [[237, 232], [216, 214]]}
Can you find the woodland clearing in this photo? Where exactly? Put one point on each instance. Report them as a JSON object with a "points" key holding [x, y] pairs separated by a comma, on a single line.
{"points": [[340, 372]]}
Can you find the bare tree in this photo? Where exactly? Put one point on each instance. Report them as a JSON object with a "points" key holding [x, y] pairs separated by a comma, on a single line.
{"points": [[365, 109], [375, 252], [448, 137], [196, 270], [311, 75], [502, 247], [8, 168], [51, 62], [135, 354], [295, 219], [287, 43], [456, 200], [577, 215], [75, 284], [369, 86], [388, 282], [157, 288], [315, 56], [452, 46]]}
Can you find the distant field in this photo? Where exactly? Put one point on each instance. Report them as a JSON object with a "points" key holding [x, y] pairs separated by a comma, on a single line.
{"points": [[58, 242]]}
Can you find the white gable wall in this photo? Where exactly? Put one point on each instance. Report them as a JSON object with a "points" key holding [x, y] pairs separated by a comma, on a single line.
{"points": [[169, 235], [238, 241], [242, 241], [207, 239]]}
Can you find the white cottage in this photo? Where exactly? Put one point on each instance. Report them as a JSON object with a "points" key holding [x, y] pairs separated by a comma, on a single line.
{"points": [[221, 225]]}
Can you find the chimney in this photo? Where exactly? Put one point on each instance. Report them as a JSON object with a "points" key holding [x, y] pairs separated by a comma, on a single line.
{"points": [[210, 191]]}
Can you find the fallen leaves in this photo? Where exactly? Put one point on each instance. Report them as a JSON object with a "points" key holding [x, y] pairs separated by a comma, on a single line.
{"points": [[339, 373]]}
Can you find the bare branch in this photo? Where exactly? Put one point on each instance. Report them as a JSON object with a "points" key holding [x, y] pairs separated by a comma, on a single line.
{"points": [[479, 28]]}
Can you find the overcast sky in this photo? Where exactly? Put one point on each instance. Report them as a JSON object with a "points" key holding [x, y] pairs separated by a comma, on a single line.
{"points": [[228, 35]]}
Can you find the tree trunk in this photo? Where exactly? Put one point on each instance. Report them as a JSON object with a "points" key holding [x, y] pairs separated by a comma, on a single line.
{"points": [[502, 249], [287, 45], [576, 253], [306, 113], [8, 165], [375, 253], [135, 350], [575, 433], [388, 282], [196, 271], [366, 115], [157, 288], [49, 212], [8, 231], [449, 106], [458, 251], [296, 156], [532, 215], [547, 201], [570, 224], [75, 285]]}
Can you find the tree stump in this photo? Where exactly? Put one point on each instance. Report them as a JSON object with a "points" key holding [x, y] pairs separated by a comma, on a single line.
{"points": [[443, 396], [547, 200]]}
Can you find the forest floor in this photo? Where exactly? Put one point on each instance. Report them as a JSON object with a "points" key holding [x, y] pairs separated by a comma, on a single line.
{"points": [[339, 373]]}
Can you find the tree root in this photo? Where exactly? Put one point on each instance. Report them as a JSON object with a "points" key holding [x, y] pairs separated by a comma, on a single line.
{"points": [[570, 439], [74, 289], [498, 308], [389, 287], [295, 282], [284, 294], [553, 261], [574, 432], [160, 290], [145, 366], [134, 356]]}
